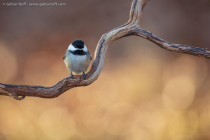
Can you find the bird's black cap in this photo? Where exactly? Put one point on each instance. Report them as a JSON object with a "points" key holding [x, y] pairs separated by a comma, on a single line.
{"points": [[78, 44]]}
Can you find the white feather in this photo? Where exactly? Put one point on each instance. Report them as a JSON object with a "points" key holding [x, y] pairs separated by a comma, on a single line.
{"points": [[71, 48], [77, 63], [85, 48]]}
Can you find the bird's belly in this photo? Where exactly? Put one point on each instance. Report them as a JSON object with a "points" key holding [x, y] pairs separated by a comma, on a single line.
{"points": [[77, 63]]}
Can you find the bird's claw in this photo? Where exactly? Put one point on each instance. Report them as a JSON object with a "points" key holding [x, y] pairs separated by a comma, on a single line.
{"points": [[84, 75], [71, 75]]}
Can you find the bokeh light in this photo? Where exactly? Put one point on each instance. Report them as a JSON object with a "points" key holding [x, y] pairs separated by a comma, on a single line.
{"points": [[8, 63], [143, 92]]}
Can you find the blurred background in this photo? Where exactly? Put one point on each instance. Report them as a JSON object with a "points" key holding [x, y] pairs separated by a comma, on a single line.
{"points": [[143, 91]]}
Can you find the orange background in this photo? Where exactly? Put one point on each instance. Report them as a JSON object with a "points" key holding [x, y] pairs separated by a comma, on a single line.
{"points": [[143, 91]]}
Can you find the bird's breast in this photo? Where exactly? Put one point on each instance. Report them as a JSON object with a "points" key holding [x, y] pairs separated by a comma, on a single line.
{"points": [[77, 63]]}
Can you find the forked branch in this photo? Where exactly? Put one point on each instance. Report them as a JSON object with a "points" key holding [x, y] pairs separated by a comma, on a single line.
{"points": [[132, 27]]}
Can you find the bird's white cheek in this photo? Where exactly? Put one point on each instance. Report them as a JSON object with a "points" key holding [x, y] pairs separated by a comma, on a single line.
{"points": [[85, 48], [71, 47]]}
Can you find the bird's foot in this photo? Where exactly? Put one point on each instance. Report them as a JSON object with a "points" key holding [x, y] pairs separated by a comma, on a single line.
{"points": [[84, 75], [71, 75]]}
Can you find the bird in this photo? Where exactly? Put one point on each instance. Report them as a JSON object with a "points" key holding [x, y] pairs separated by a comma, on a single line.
{"points": [[77, 58]]}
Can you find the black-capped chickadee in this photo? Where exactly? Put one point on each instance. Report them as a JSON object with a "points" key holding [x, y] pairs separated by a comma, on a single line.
{"points": [[77, 58]]}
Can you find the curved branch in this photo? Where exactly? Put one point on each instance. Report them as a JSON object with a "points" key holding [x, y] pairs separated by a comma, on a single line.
{"points": [[170, 46], [136, 11], [132, 27]]}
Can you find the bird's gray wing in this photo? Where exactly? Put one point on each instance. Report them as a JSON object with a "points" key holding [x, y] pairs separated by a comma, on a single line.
{"points": [[89, 55], [65, 55]]}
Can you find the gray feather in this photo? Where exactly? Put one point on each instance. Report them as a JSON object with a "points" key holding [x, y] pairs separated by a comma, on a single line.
{"points": [[65, 55], [89, 55]]}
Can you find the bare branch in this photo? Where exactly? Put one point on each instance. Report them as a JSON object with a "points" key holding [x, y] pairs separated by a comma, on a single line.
{"points": [[170, 46], [132, 27]]}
